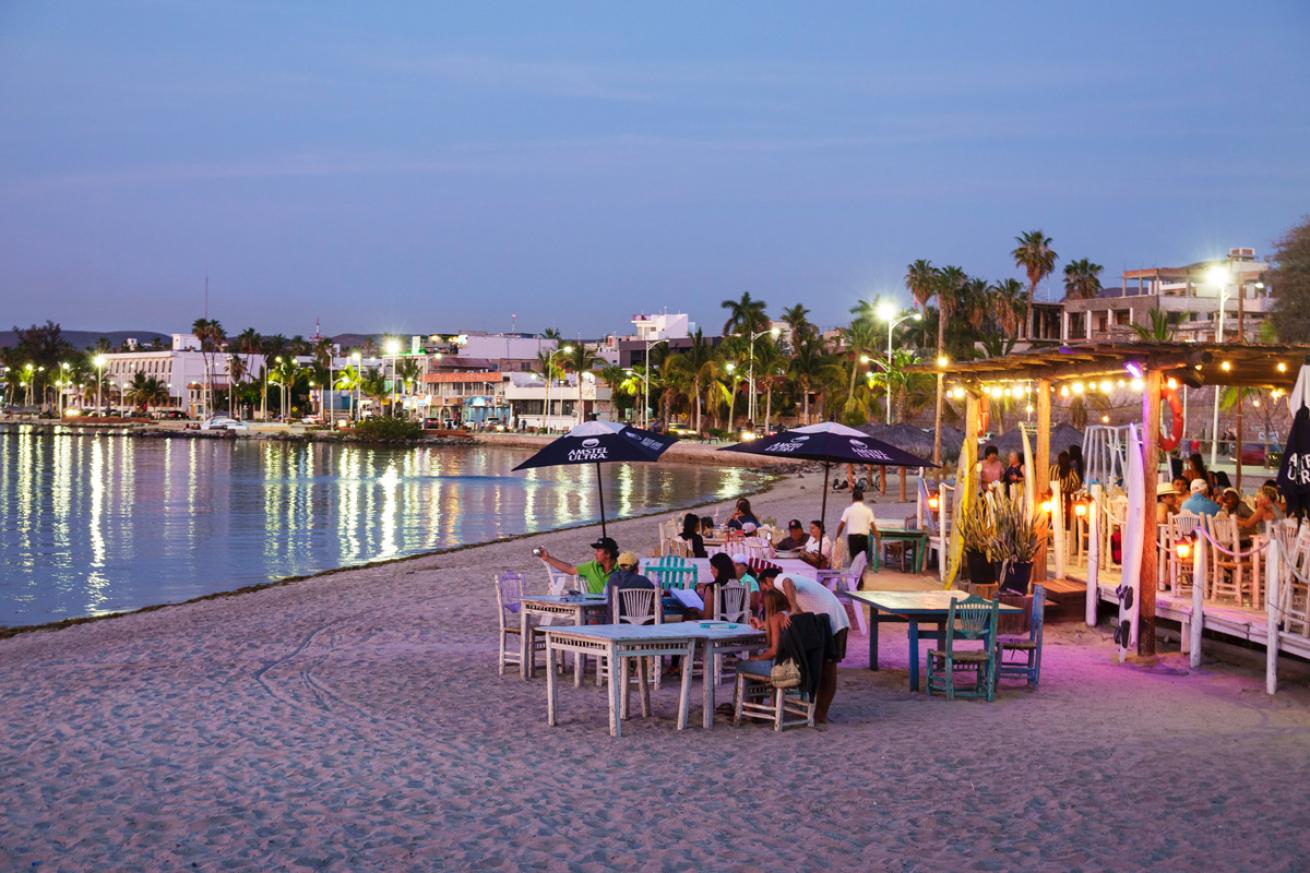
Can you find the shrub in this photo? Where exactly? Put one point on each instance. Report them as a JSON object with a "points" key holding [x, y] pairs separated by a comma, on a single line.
{"points": [[388, 430]]}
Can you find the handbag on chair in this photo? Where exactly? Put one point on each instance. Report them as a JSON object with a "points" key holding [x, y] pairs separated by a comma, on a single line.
{"points": [[785, 674]]}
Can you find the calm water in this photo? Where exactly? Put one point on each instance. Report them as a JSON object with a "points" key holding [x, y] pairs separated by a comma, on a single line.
{"points": [[95, 523]]}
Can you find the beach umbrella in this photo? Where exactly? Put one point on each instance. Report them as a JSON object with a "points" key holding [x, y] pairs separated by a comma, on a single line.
{"points": [[600, 442], [830, 443], [1294, 471]]}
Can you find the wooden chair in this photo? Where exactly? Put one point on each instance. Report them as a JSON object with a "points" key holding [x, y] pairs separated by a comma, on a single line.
{"points": [[1181, 528], [732, 603], [969, 619], [672, 571], [756, 548], [1021, 636], [756, 698], [509, 597], [635, 606], [1232, 575]]}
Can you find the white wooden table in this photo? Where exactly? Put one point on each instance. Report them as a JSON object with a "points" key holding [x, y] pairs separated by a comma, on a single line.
{"points": [[620, 643], [573, 607]]}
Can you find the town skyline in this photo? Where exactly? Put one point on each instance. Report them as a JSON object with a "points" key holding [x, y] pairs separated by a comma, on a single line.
{"points": [[386, 173]]}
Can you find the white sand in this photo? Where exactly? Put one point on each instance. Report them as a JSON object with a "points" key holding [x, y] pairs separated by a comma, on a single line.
{"points": [[356, 721]]}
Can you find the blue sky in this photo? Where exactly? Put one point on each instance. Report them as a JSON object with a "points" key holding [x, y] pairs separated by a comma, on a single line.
{"points": [[440, 165]]}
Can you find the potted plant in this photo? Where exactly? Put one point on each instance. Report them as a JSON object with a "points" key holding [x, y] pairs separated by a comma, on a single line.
{"points": [[1015, 544], [978, 530]]}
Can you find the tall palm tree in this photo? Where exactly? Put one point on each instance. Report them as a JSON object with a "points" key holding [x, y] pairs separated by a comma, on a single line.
{"points": [[921, 279], [146, 391], [746, 315], [236, 373], [809, 362], [1009, 303], [616, 377], [1036, 257], [211, 335], [287, 373], [581, 359], [770, 368], [797, 319], [861, 339], [348, 379], [950, 281], [694, 367], [1082, 279]]}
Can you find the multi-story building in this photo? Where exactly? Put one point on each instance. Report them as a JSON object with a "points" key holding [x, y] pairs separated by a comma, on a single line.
{"points": [[1196, 297], [527, 396], [182, 367]]}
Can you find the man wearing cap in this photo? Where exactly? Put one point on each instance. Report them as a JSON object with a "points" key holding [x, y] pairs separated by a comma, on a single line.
{"points": [[807, 595], [626, 576], [795, 538], [594, 573], [1199, 503]]}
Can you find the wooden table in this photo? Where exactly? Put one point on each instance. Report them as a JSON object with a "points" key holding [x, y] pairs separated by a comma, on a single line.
{"points": [[913, 607], [574, 607], [618, 644], [918, 539]]}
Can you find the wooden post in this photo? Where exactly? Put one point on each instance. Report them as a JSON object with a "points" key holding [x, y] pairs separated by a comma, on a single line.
{"points": [[1237, 455], [1150, 473], [1199, 571], [882, 478], [1272, 560], [1042, 475], [903, 497]]}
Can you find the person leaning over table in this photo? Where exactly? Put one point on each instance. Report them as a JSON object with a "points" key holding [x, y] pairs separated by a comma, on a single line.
{"points": [[594, 573], [806, 595]]}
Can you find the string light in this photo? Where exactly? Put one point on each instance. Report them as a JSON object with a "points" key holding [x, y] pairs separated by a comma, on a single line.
{"points": [[1172, 383], [1282, 366], [1079, 387], [1137, 384], [1226, 366], [1105, 419], [1105, 386], [1064, 390]]}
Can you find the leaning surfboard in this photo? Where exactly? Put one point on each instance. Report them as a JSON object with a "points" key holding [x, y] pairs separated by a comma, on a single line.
{"points": [[1133, 542]]}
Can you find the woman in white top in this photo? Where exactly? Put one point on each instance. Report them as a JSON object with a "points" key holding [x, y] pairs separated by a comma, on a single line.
{"points": [[817, 551]]}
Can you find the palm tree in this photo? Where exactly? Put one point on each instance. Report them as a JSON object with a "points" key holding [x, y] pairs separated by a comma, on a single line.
{"points": [[770, 368], [949, 282], [408, 372], [809, 361], [286, 373], [746, 315], [1008, 305], [145, 391], [236, 372], [581, 359], [861, 339], [616, 377], [693, 367], [1035, 255], [1160, 330], [348, 379], [798, 321], [373, 385], [1082, 280], [921, 279], [211, 335]]}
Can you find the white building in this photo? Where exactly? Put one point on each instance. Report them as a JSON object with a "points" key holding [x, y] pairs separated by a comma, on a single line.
{"points": [[527, 394], [665, 325], [182, 368]]}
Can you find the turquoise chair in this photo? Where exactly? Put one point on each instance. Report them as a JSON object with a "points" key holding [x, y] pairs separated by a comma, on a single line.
{"points": [[1023, 643], [672, 571], [970, 619]]}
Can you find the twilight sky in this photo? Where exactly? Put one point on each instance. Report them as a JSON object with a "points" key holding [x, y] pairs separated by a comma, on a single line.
{"points": [[439, 166]]}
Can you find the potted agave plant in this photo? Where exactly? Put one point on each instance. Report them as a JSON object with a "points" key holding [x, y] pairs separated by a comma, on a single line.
{"points": [[978, 530], [1015, 544]]}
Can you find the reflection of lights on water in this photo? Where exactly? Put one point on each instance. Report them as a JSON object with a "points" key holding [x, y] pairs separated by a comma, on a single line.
{"points": [[390, 482]]}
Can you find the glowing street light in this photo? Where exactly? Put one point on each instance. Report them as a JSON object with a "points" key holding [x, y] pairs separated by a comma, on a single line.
{"points": [[99, 361], [775, 333], [886, 311]]}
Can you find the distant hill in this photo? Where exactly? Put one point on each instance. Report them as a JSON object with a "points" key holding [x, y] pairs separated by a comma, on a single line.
{"points": [[85, 339]]}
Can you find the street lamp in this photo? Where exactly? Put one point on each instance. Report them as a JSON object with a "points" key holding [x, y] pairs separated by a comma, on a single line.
{"points": [[392, 349], [1218, 276], [750, 380], [359, 372], [99, 361], [887, 312], [645, 378], [60, 384], [550, 363]]}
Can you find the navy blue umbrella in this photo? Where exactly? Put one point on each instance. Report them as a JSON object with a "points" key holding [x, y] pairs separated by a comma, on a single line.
{"points": [[830, 443], [1294, 472], [600, 442]]}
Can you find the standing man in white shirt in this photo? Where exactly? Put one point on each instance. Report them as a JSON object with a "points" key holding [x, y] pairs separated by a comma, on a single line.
{"points": [[858, 522]]}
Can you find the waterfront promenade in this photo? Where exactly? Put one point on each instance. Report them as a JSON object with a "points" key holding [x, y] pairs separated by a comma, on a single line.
{"points": [[355, 721]]}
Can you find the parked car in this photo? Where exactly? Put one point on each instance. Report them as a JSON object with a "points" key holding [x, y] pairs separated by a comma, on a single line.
{"points": [[223, 422], [169, 415]]}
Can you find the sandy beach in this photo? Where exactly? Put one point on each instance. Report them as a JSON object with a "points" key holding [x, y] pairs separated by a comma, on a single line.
{"points": [[355, 721]]}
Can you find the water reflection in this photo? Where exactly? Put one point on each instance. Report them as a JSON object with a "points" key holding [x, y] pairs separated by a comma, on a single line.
{"points": [[95, 522]]}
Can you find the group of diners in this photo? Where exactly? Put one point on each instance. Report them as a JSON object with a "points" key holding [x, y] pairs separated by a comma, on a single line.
{"points": [[1200, 492], [775, 597]]}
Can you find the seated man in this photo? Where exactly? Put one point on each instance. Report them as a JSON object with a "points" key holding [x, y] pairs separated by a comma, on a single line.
{"points": [[795, 538], [594, 573], [807, 595], [626, 576], [1199, 503], [1232, 504]]}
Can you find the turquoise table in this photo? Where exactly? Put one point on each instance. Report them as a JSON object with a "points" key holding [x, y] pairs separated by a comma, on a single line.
{"points": [[914, 608], [916, 538]]}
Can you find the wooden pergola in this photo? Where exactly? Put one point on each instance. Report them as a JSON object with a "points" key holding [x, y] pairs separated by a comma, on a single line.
{"points": [[1153, 363]]}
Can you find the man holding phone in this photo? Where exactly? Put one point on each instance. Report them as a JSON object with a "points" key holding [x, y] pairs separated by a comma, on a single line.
{"points": [[594, 573]]}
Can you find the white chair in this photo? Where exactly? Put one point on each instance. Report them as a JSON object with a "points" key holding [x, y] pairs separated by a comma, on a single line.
{"points": [[1231, 575], [756, 698], [558, 581], [1180, 528], [835, 580], [756, 547], [732, 602], [635, 606], [1293, 590], [509, 605]]}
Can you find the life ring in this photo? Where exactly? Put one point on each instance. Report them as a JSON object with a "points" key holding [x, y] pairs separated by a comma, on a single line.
{"points": [[1170, 439]]}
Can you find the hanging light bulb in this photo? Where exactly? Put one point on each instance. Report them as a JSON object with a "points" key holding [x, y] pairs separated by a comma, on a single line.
{"points": [[1064, 390], [1138, 384], [1079, 387], [1172, 383]]}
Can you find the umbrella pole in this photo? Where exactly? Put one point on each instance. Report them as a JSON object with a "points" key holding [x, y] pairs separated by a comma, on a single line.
{"points": [[823, 512], [600, 491]]}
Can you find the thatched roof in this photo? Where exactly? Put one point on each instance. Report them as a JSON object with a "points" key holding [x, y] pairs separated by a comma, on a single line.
{"points": [[1062, 436], [916, 440]]}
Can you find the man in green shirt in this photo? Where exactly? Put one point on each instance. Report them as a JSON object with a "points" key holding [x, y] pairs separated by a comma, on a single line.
{"points": [[594, 573]]}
